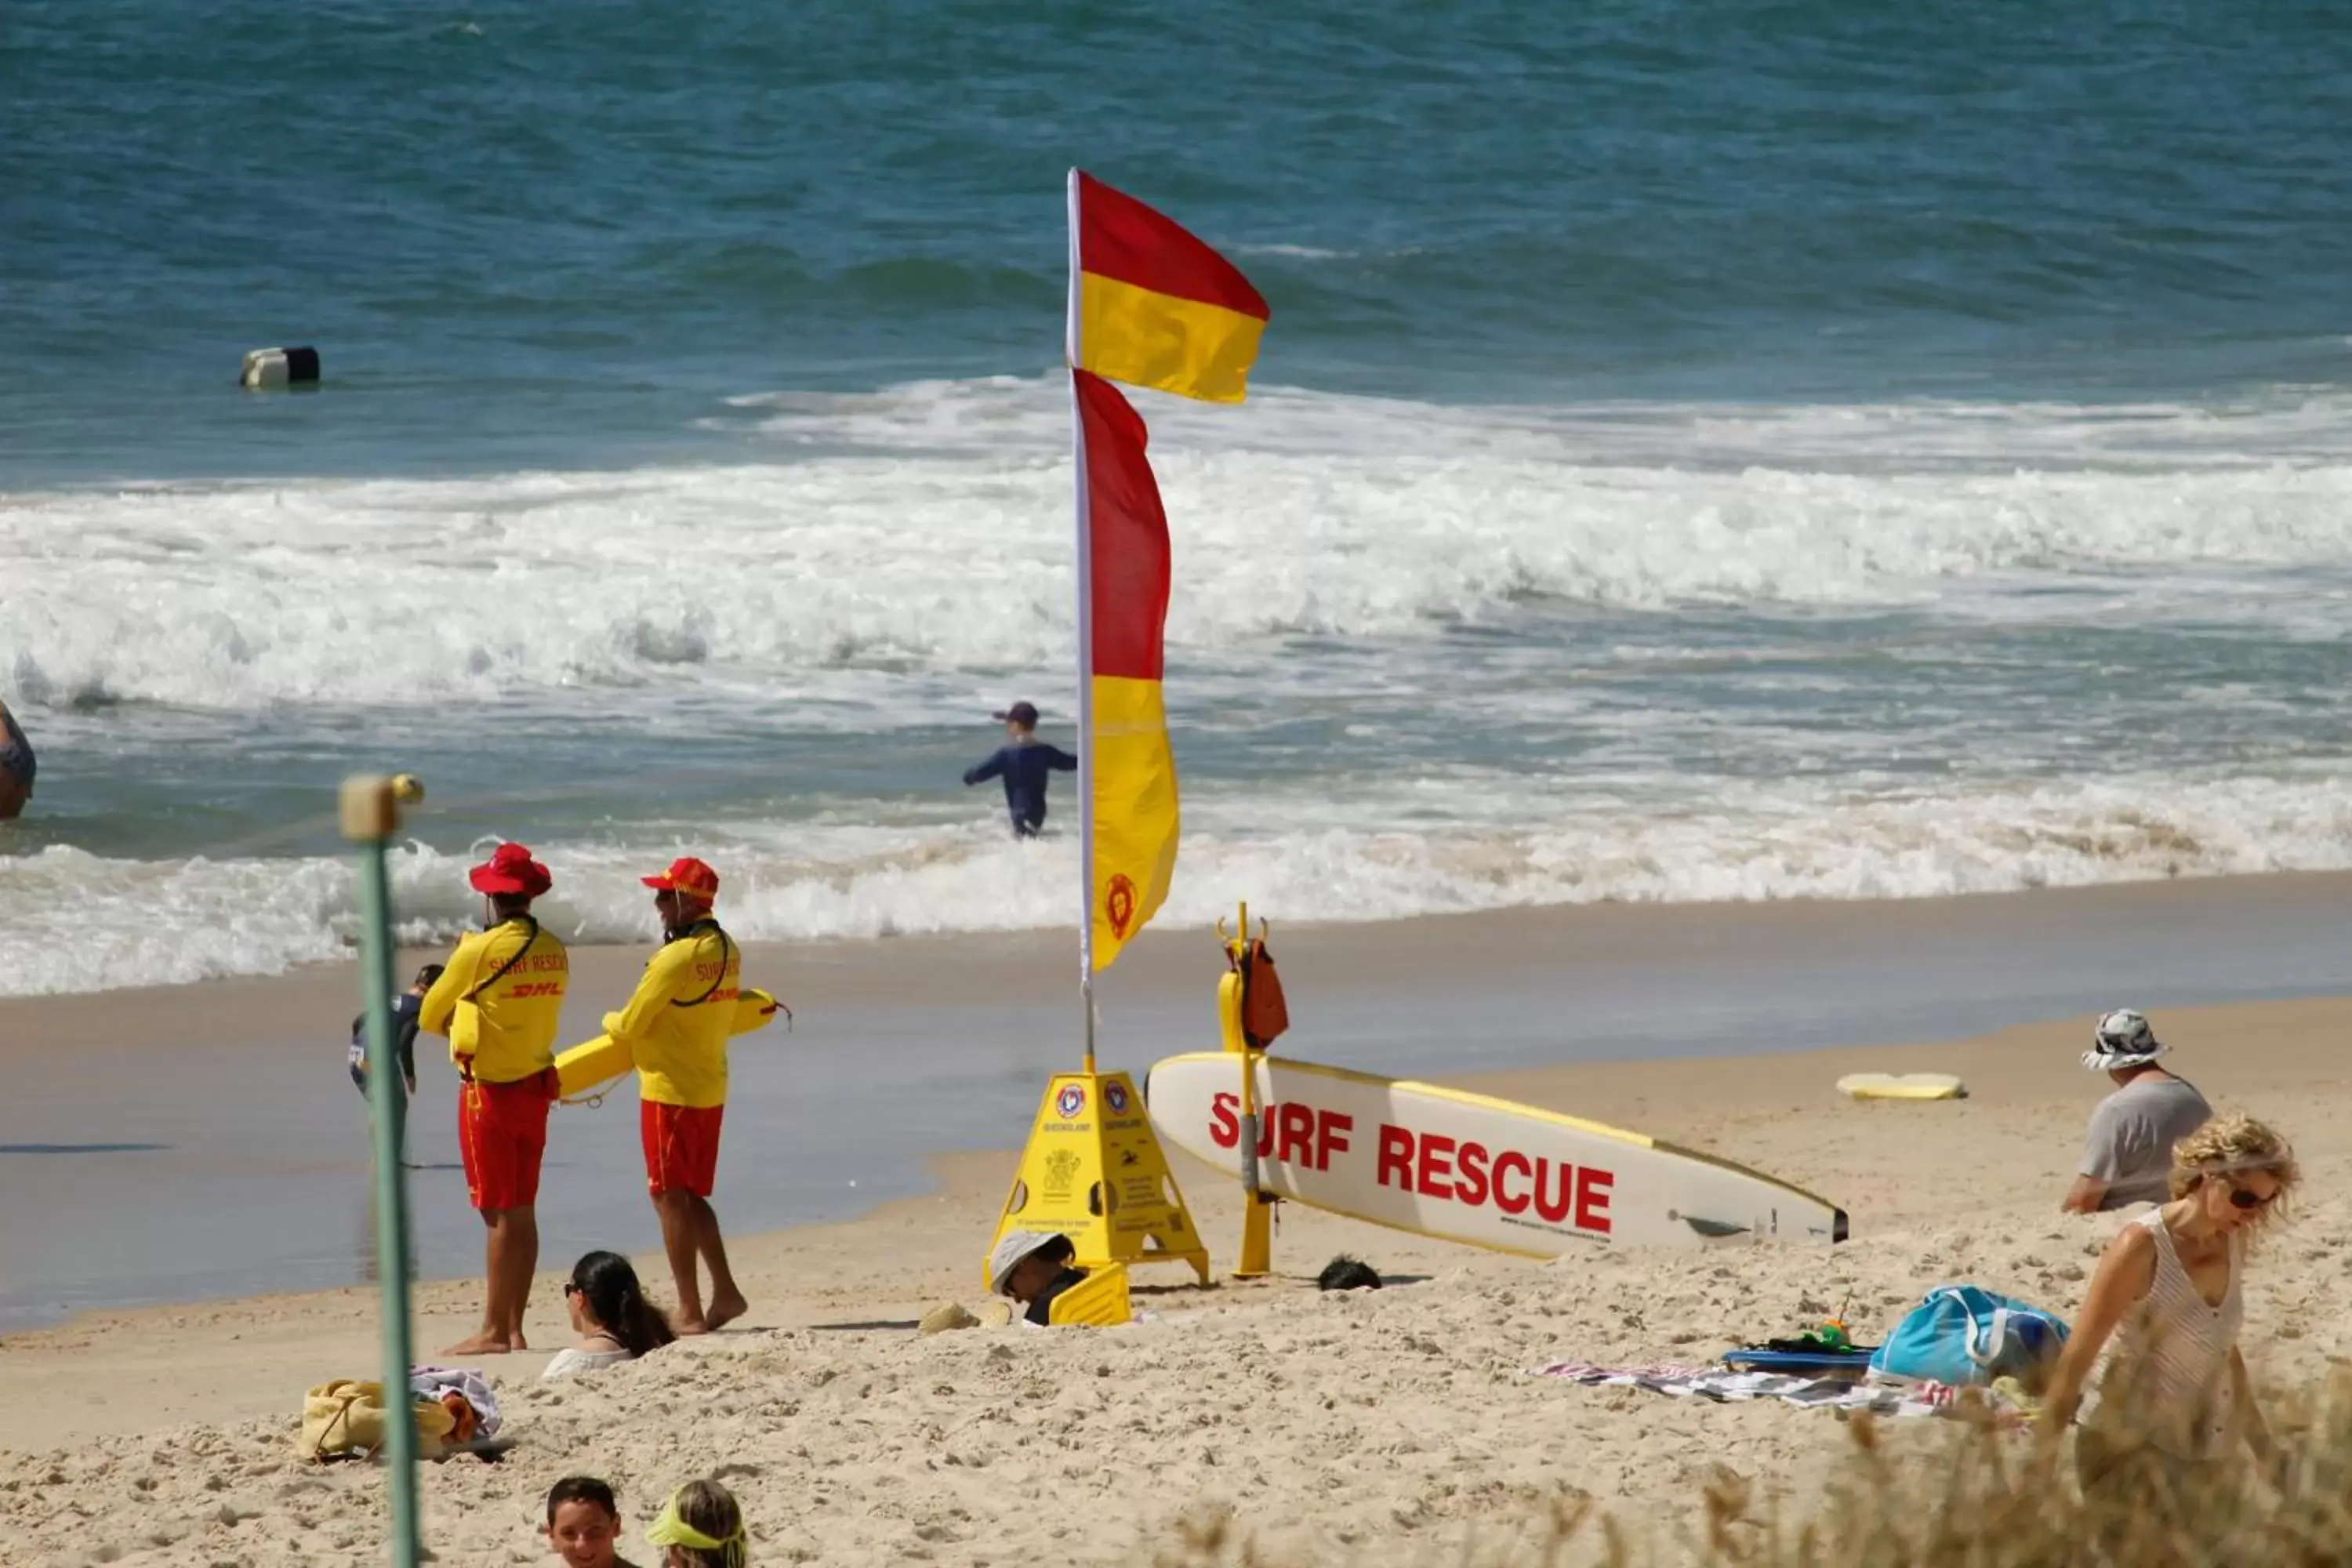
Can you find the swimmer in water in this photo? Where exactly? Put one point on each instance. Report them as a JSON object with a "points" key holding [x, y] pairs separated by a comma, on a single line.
{"points": [[1023, 763], [17, 766]]}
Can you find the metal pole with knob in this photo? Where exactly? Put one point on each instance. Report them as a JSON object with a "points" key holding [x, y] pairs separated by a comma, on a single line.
{"points": [[371, 816]]}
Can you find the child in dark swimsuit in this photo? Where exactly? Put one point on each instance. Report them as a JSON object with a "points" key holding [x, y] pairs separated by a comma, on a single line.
{"points": [[1023, 762]]}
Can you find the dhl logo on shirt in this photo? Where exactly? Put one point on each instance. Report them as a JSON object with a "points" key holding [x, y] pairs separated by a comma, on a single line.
{"points": [[715, 974], [560, 964]]}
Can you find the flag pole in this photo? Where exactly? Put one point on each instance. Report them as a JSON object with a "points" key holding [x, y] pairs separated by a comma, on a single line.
{"points": [[1085, 653]]}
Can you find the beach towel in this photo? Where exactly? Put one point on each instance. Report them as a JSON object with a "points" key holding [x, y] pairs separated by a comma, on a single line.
{"points": [[438, 1382], [1722, 1387]]}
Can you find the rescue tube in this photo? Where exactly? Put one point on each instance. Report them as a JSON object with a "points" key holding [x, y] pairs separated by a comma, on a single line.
{"points": [[582, 1067], [603, 1059], [754, 1009]]}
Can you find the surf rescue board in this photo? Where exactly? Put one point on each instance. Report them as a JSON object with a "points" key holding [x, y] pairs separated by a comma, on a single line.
{"points": [[1901, 1086], [1466, 1167]]}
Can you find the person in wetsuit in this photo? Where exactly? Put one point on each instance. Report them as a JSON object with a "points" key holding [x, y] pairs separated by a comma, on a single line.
{"points": [[17, 766], [406, 1009], [1023, 763]]}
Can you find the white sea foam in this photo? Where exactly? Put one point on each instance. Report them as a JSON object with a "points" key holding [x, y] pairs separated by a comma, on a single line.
{"points": [[1294, 252], [71, 922], [904, 553], [923, 531], [994, 412]]}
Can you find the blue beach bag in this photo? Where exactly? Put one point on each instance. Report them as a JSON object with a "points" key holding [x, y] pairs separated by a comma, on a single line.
{"points": [[1963, 1334]]}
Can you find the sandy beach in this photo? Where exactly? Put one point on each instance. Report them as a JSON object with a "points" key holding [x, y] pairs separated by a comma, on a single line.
{"points": [[1387, 1428]]}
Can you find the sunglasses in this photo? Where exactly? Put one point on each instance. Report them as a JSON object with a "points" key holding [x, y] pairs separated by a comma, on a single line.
{"points": [[2243, 1199], [571, 1289]]}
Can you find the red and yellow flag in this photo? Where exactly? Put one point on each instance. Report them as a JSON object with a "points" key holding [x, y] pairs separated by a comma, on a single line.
{"points": [[1133, 770], [1154, 306]]}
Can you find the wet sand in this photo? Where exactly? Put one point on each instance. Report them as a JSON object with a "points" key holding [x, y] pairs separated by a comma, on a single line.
{"points": [[203, 1141]]}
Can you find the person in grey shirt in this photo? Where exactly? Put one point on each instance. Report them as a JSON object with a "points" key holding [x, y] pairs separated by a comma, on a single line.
{"points": [[2127, 1154]]}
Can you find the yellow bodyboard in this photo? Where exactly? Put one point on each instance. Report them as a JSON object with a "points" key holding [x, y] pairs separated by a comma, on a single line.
{"points": [[1901, 1086], [603, 1059], [1099, 1299]]}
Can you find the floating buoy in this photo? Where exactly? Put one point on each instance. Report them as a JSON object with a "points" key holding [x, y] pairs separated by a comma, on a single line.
{"points": [[280, 367]]}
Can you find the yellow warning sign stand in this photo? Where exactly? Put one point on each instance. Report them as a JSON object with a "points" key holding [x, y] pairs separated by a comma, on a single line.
{"points": [[1094, 1171]]}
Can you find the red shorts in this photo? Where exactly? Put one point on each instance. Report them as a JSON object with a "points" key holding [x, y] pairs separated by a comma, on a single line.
{"points": [[681, 1146], [502, 1133]]}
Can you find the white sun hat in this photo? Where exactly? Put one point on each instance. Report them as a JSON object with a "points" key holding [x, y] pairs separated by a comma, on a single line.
{"points": [[2124, 1040], [1015, 1245]]}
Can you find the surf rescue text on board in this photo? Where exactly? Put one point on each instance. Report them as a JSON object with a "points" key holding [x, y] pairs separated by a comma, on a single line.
{"points": [[1429, 1163]]}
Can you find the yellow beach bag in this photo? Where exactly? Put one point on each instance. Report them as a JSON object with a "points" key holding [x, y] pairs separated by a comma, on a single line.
{"points": [[347, 1414]]}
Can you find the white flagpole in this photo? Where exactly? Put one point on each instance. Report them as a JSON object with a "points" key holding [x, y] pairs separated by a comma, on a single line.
{"points": [[1085, 624]]}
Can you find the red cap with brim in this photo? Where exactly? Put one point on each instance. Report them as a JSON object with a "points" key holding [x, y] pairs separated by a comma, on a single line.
{"points": [[688, 876], [511, 871]]}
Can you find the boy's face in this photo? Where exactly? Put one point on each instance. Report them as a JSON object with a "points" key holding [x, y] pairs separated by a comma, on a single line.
{"points": [[582, 1535], [1030, 1275]]}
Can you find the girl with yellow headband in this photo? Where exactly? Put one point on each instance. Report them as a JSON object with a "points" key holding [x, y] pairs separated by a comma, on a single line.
{"points": [[701, 1528]]}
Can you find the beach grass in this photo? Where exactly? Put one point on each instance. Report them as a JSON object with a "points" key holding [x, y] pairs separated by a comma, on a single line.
{"points": [[1975, 1497]]}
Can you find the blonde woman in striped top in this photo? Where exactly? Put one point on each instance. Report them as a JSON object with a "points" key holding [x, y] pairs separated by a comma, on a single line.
{"points": [[2173, 1397]]}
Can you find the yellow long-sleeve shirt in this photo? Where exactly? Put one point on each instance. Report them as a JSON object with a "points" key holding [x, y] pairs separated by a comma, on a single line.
{"points": [[508, 1032], [677, 1024]]}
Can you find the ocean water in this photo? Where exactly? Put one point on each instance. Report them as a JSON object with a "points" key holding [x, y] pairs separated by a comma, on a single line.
{"points": [[1702, 452]]}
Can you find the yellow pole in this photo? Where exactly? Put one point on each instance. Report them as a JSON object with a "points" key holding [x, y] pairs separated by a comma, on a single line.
{"points": [[1258, 1214]]}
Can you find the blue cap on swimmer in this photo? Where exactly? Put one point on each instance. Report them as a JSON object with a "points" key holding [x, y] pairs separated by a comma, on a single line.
{"points": [[2124, 1040], [1021, 713]]}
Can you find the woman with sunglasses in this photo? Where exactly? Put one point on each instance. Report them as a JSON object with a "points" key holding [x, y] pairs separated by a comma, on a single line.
{"points": [[611, 1315], [2173, 1394]]}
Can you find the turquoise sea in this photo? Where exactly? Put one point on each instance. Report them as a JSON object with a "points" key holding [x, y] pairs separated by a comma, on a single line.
{"points": [[1703, 451]]}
